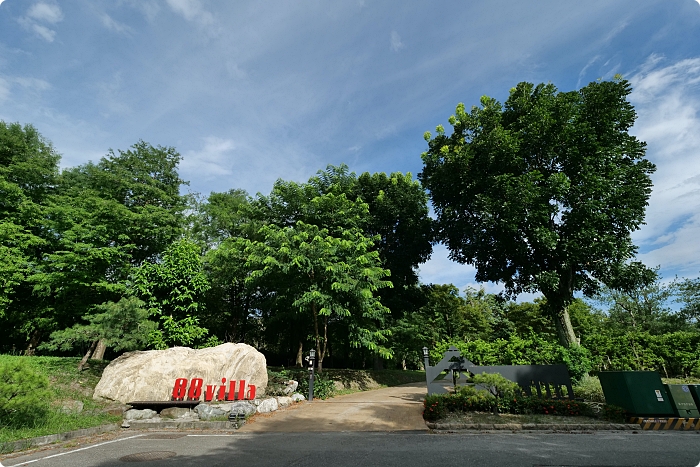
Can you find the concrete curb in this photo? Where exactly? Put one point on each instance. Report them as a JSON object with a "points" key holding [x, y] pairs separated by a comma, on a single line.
{"points": [[532, 426], [179, 425], [24, 444]]}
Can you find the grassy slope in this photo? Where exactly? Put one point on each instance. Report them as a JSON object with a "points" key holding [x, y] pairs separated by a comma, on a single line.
{"points": [[66, 384]]}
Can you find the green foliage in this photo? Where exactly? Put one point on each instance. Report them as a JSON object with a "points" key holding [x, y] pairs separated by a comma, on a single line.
{"points": [[542, 193], [589, 389], [24, 396], [174, 291], [468, 399], [327, 276], [613, 413], [324, 387], [123, 326]]}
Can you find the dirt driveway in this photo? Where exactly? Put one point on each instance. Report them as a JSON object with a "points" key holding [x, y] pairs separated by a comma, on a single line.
{"points": [[398, 408]]}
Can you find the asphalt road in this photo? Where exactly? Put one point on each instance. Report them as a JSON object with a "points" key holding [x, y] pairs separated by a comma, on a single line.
{"points": [[405, 449]]}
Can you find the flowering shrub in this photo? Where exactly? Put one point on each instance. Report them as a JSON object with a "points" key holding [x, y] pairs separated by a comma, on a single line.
{"points": [[613, 413]]}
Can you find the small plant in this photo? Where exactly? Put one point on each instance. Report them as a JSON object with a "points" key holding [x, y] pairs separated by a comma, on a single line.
{"points": [[589, 389], [323, 387], [613, 413], [24, 395], [498, 386]]}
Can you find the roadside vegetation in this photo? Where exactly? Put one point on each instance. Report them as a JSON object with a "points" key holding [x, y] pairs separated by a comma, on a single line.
{"points": [[47, 395]]}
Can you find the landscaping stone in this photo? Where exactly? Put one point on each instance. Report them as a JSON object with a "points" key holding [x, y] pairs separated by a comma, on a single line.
{"points": [[135, 414], [296, 397], [285, 401], [248, 408], [208, 412], [267, 405], [150, 375], [291, 386], [176, 412]]}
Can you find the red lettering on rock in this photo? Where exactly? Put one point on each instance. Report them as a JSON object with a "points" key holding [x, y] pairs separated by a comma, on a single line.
{"points": [[180, 389], [231, 391], [222, 390], [209, 393], [241, 390], [195, 391], [251, 392]]}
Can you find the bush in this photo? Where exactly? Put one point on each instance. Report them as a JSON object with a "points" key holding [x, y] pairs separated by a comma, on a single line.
{"points": [[323, 387], [535, 405], [613, 413], [589, 389], [24, 397]]}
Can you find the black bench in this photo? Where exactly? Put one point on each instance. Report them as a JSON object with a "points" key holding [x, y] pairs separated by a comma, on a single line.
{"points": [[160, 405]]}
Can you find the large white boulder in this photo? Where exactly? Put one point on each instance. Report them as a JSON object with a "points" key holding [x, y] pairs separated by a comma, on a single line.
{"points": [[150, 375]]}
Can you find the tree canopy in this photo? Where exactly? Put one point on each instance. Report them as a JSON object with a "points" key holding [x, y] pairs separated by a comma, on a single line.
{"points": [[542, 193]]}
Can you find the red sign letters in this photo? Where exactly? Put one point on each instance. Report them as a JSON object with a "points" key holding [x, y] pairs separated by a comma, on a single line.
{"points": [[193, 390]]}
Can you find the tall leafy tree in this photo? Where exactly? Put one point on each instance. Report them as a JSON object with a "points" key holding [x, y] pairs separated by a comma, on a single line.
{"points": [[173, 289], [327, 276], [543, 192], [28, 173], [104, 219]]}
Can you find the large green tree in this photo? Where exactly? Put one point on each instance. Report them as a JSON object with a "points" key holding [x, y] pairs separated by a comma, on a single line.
{"points": [[327, 277], [543, 192], [28, 174]]}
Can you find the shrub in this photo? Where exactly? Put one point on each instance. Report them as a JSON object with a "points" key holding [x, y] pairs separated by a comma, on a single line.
{"points": [[323, 387], [613, 413], [24, 397], [565, 407], [589, 389], [502, 389]]}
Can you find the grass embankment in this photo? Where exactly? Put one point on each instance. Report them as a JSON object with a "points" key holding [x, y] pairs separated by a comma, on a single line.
{"points": [[68, 388]]}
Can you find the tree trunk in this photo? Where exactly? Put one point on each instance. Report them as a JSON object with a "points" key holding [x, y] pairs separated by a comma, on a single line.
{"points": [[33, 342], [567, 337], [82, 363], [99, 353], [300, 355]]}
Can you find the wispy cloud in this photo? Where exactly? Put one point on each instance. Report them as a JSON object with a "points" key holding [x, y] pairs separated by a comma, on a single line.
{"points": [[113, 25], [395, 43], [42, 12], [214, 159], [192, 10], [45, 12], [667, 99]]}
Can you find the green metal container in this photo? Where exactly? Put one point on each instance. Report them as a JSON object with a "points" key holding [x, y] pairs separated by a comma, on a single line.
{"points": [[695, 391], [640, 393], [682, 400]]}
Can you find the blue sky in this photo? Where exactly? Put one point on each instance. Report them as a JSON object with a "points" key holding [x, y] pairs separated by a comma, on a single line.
{"points": [[249, 92]]}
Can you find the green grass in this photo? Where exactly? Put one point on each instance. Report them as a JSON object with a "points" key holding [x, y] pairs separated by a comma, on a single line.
{"points": [[65, 384], [479, 417]]}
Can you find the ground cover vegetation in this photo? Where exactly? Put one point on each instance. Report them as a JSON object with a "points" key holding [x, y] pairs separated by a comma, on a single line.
{"points": [[45, 395], [540, 194]]}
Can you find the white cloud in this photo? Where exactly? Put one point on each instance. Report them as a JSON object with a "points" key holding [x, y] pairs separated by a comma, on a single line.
{"points": [[395, 43], [667, 100], [45, 12], [42, 13], [192, 10], [215, 159], [112, 25]]}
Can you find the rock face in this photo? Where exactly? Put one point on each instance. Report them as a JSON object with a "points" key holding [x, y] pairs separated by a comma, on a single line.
{"points": [[150, 375]]}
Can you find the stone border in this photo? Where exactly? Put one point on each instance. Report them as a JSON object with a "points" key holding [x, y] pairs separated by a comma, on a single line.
{"points": [[532, 426], [9, 447]]}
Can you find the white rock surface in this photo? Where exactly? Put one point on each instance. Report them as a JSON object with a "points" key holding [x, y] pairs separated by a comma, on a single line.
{"points": [[285, 401], [296, 397], [150, 375], [135, 414], [290, 386], [267, 405]]}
